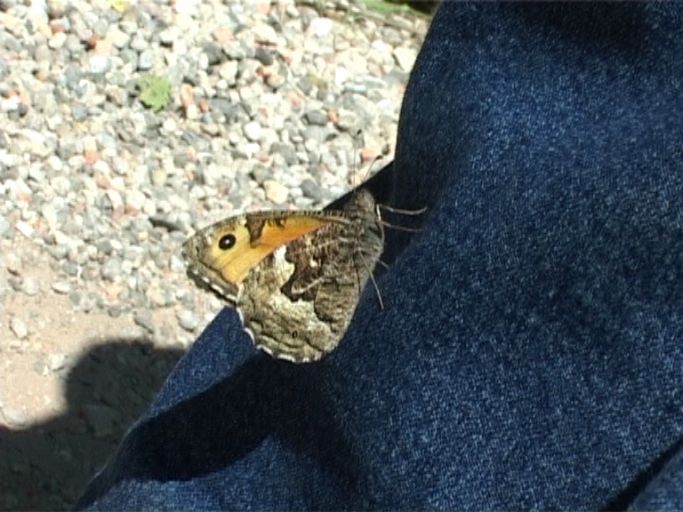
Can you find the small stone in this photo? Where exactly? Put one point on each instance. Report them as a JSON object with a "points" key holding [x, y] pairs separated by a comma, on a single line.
{"points": [[222, 105], [18, 190], [214, 53], [228, 71], [146, 60], [135, 200], [347, 120], [71, 268], [19, 327], [75, 298], [320, 27], [144, 319], [111, 270], [158, 176], [275, 80], [287, 151], [275, 191], [4, 226], [89, 302], [187, 320], [223, 35], [176, 264], [264, 33], [316, 118], [168, 36], [50, 214], [79, 111], [24, 228], [14, 417], [56, 361], [311, 189], [61, 287], [405, 57], [115, 199], [253, 131], [264, 56], [118, 37], [16, 283], [186, 7], [99, 64], [57, 40], [115, 310], [13, 263], [214, 174], [260, 174], [192, 112], [139, 43], [30, 286]]}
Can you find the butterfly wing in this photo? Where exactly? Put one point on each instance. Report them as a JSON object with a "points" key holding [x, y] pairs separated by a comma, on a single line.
{"points": [[298, 301], [222, 255], [294, 277]]}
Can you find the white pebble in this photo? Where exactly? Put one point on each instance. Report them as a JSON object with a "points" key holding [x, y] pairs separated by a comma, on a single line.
{"points": [[19, 327]]}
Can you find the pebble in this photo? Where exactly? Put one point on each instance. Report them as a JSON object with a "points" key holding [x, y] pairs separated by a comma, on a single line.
{"points": [[111, 270], [320, 27], [264, 56], [144, 319], [56, 361], [275, 191], [61, 287], [99, 64], [405, 57], [311, 189], [13, 416], [134, 199], [13, 263], [57, 40], [187, 320], [145, 60], [316, 117], [118, 37], [4, 226], [30, 286], [265, 34], [253, 131], [19, 327], [24, 228], [276, 80]]}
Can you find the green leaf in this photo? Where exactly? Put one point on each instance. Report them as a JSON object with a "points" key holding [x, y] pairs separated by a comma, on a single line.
{"points": [[155, 92]]}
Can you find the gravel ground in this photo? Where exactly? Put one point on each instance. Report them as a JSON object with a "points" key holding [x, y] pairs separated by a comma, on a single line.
{"points": [[258, 106]]}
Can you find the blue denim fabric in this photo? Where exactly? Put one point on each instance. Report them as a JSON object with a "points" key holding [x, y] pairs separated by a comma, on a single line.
{"points": [[530, 349]]}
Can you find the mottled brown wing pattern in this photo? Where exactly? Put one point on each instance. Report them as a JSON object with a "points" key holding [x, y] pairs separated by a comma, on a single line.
{"points": [[299, 301], [294, 277]]}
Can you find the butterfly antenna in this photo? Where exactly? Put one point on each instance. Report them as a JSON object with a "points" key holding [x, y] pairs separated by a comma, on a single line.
{"points": [[402, 211], [400, 228], [374, 283], [385, 265], [379, 295]]}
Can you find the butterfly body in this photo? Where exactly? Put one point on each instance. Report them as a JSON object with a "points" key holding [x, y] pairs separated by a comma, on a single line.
{"points": [[294, 277]]}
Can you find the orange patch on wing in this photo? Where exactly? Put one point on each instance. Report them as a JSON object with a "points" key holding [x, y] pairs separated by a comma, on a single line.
{"points": [[235, 263], [290, 228]]}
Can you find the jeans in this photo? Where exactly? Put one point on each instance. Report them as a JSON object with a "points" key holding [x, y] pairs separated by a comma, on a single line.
{"points": [[530, 349]]}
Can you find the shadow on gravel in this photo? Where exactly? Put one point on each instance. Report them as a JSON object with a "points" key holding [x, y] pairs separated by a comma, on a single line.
{"points": [[47, 465]]}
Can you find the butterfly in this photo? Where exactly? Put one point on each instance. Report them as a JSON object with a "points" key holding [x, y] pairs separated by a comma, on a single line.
{"points": [[294, 277]]}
